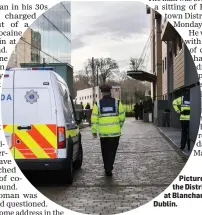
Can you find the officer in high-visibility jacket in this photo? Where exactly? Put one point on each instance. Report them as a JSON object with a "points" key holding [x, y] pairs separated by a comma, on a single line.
{"points": [[107, 119], [182, 106]]}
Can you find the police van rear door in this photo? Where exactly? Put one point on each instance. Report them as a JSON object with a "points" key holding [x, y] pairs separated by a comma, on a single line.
{"points": [[34, 115], [7, 108]]}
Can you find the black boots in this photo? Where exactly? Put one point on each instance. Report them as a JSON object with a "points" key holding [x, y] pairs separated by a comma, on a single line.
{"points": [[108, 173]]}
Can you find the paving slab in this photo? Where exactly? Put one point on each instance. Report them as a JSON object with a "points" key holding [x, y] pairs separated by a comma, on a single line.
{"points": [[173, 135], [145, 165]]}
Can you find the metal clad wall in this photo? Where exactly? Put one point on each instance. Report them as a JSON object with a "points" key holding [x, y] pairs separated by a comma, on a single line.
{"points": [[61, 70], [66, 73], [191, 75], [174, 116], [70, 80], [170, 69], [178, 68], [195, 94]]}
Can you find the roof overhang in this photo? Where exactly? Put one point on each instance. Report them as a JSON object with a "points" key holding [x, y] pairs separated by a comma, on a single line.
{"points": [[168, 32], [148, 9], [141, 75], [157, 15], [45, 65]]}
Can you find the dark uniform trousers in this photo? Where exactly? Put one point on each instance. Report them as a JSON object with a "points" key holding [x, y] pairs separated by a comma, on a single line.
{"points": [[185, 134], [109, 146]]}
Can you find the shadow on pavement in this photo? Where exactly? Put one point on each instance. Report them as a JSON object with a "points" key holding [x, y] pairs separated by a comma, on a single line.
{"points": [[54, 178], [45, 178]]}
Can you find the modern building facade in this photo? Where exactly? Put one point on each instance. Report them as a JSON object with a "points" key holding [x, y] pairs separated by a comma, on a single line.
{"points": [[175, 70], [47, 40], [86, 96]]}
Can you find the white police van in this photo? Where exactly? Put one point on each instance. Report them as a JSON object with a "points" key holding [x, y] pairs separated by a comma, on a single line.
{"points": [[39, 121]]}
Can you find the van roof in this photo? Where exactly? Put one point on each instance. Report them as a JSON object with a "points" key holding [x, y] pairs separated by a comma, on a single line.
{"points": [[33, 78], [31, 68], [32, 75]]}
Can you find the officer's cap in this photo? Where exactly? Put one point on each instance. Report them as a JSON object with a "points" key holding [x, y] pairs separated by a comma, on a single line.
{"points": [[105, 88]]}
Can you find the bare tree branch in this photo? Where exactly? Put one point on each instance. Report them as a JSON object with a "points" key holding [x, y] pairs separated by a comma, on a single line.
{"points": [[106, 67], [136, 64]]}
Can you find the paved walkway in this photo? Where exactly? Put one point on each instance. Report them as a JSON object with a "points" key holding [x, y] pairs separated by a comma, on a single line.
{"points": [[174, 136], [145, 165]]}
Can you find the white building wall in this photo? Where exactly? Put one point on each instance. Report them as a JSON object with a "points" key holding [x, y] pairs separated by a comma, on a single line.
{"points": [[86, 95]]}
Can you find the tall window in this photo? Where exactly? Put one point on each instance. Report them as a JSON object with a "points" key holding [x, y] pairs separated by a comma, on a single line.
{"points": [[165, 63]]}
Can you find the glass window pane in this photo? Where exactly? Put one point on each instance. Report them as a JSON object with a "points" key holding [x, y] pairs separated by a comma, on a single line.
{"points": [[50, 35]]}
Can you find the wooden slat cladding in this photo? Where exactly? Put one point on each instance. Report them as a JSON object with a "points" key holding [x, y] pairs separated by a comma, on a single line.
{"points": [[178, 69], [158, 62], [165, 80], [164, 69], [159, 81]]}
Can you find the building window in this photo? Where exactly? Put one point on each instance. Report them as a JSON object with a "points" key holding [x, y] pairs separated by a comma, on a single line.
{"points": [[165, 63], [163, 66], [96, 95]]}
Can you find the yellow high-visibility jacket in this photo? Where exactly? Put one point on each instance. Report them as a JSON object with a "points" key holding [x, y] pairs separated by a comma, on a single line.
{"points": [[106, 122], [183, 107]]}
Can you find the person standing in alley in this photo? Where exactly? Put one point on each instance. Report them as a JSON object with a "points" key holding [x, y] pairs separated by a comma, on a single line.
{"points": [[141, 108], [182, 106], [87, 106], [87, 112], [107, 119], [82, 105], [82, 111], [136, 110]]}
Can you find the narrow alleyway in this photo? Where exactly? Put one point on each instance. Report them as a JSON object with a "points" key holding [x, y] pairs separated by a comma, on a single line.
{"points": [[145, 165]]}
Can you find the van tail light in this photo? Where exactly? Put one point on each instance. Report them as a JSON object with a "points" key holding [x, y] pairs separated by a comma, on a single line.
{"points": [[61, 137]]}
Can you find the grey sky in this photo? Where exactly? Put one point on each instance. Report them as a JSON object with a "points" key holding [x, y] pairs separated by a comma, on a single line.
{"points": [[108, 29]]}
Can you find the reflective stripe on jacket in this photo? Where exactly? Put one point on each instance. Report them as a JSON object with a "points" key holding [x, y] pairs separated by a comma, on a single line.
{"points": [[108, 119], [180, 104]]}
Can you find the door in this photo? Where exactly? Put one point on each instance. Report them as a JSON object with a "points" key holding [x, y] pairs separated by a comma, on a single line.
{"points": [[74, 129], [7, 109], [35, 130], [70, 119]]}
